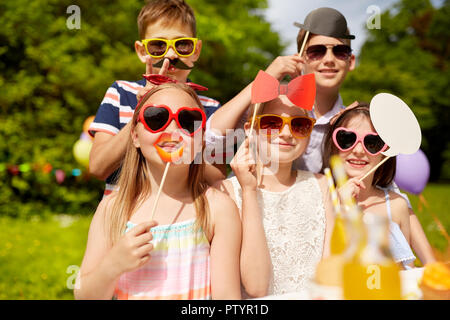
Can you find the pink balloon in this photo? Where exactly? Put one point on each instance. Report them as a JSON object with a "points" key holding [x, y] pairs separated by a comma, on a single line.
{"points": [[412, 172], [60, 176]]}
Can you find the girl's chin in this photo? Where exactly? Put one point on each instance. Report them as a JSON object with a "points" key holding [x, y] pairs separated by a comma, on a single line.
{"points": [[174, 159]]}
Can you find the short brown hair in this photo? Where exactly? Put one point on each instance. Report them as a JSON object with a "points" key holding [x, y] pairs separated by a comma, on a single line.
{"points": [[169, 11], [302, 33], [385, 173]]}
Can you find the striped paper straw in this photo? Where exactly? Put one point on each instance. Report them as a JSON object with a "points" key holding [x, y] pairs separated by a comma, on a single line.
{"points": [[334, 197], [337, 166]]}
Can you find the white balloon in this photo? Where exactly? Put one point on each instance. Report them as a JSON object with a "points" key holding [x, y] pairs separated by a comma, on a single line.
{"points": [[396, 124]]}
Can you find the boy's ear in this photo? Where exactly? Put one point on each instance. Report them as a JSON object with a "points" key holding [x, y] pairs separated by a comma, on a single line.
{"points": [[140, 51], [352, 63], [198, 50]]}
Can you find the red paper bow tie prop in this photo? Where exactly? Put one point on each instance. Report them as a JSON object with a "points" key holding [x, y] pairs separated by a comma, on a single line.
{"points": [[158, 79], [301, 90]]}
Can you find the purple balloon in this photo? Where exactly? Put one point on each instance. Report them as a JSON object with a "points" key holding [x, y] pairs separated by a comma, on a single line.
{"points": [[412, 172], [85, 136]]}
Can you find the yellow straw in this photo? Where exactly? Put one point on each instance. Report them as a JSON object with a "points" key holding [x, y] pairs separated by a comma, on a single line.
{"points": [[334, 197], [338, 237], [337, 166]]}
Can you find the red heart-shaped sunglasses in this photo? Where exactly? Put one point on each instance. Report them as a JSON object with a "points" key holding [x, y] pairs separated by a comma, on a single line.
{"points": [[156, 118]]}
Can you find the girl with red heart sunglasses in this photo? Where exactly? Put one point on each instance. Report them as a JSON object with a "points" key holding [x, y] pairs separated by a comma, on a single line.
{"points": [[191, 249]]}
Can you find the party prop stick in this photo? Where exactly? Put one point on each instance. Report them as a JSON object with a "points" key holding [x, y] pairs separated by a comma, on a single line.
{"points": [[253, 122], [374, 168], [253, 146], [333, 192], [167, 157], [303, 44], [160, 188], [396, 125]]}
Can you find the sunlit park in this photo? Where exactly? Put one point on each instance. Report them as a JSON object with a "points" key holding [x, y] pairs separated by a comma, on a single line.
{"points": [[58, 58]]}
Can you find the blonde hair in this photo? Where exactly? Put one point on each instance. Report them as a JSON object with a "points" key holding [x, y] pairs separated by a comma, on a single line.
{"points": [[133, 183], [167, 11]]}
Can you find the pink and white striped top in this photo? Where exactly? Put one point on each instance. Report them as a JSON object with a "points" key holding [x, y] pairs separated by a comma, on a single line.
{"points": [[179, 267]]}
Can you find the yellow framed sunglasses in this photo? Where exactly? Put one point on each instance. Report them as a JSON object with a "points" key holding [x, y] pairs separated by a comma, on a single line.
{"points": [[157, 48], [300, 126]]}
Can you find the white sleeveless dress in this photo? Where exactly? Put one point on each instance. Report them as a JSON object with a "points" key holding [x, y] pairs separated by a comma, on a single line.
{"points": [[294, 223]]}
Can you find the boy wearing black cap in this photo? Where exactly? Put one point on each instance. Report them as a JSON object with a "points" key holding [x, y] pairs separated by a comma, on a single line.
{"points": [[324, 49]]}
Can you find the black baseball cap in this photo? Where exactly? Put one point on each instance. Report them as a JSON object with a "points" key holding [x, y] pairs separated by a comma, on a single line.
{"points": [[326, 22]]}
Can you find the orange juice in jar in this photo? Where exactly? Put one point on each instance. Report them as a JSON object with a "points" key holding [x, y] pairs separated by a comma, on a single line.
{"points": [[371, 273], [371, 281]]}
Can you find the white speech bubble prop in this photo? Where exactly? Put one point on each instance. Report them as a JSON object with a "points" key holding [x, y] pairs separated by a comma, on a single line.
{"points": [[396, 124]]}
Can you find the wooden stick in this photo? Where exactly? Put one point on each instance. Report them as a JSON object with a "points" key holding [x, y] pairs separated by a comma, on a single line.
{"points": [[253, 146], [374, 168], [160, 188], [253, 121], [303, 44]]}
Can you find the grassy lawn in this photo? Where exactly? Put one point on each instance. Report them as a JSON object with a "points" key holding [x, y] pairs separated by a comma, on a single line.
{"points": [[437, 197], [36, 255]]}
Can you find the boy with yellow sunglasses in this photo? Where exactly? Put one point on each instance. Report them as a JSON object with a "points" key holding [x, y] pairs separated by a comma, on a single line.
{"points": [[168, 46]]}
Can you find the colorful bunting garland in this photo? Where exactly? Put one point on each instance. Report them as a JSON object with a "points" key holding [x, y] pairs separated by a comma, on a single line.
{"points": [[81, 155], [47, 168]]}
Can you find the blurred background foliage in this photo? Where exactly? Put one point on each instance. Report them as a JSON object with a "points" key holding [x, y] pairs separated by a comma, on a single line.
{"points": [[52, 78], [409, 57]]}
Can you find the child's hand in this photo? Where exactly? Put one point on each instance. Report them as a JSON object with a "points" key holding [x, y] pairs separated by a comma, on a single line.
{"points": [[133, 249], [351, 188], [285, 65], [244, 167], [149, 70]]}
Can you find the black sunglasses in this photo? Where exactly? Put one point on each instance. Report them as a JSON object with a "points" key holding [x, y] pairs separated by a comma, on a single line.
{"points": [[318, 51]]}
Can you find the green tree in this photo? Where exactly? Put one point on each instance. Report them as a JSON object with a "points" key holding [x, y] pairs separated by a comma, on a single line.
{"points": [[52, 78], [409, 57]]}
